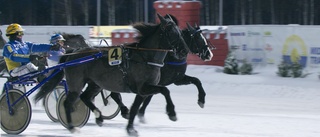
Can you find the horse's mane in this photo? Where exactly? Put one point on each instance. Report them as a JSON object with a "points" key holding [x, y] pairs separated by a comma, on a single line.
{"points": [[145, 29], [70, 36]]}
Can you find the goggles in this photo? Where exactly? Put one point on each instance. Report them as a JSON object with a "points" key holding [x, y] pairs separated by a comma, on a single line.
{"points": [[60, 41], [20, 33]]}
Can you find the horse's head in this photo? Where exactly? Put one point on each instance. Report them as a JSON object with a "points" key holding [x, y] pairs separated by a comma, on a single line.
{"points": [[197, 43], [74, 41], [173, 37]]}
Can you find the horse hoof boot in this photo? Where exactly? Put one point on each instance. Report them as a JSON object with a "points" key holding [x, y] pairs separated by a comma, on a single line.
{"points": [[99, 119], [125, 116], [173, 118], [141, 118], [99, 122], [132, 132], [201, 104], [124, 112], [74, 129]]}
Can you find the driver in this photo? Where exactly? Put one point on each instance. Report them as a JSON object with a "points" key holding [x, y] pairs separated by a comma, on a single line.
{"points": [[17, 53]]}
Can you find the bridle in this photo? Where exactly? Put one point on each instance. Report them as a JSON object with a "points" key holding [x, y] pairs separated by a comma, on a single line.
{"points": [[200, 50]]}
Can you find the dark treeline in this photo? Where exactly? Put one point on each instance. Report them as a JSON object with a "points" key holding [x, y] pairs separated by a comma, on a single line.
{"points": [[124, 12]]}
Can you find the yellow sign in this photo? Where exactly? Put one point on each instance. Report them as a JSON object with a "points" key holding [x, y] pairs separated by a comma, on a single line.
{"points": [[105, 31], [115, 56]]}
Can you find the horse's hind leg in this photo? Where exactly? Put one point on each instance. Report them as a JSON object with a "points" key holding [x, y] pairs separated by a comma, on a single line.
{"points": [[68, 104], [87, 96], [124, 110], [143, 109], [188, 80]]}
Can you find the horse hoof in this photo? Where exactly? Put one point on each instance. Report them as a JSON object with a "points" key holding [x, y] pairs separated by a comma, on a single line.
{"points": [[132, 132], [141, 118], [201, 104], [99, 122], [173, 118], [74, 130], [125, 116], [124, 112]]}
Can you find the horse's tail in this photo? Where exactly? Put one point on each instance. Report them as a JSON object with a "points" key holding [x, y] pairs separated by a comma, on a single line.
{"points": [[3, 65], [52, 83]]}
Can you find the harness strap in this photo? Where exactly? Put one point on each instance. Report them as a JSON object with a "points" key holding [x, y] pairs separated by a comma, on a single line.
{"points": [[155, 64], [176, 63]]}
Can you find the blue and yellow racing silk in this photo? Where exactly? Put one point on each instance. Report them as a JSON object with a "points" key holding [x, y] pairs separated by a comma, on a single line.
{"points": [[17, 53]]}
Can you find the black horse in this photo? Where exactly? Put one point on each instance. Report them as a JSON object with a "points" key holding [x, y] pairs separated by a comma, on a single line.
{"points": [[139, 72], [173, 72]]}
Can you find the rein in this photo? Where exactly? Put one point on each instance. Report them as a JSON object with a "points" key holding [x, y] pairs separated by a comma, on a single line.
{"points": [[147, 49], [128, 47]]}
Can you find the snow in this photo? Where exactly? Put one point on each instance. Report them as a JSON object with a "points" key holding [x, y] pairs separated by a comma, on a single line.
{"points": [[260, 105]]}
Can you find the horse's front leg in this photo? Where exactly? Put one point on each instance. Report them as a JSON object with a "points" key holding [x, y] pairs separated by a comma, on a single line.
{"points": [[142, 109], [68, 105], [170, 106], [133, 111], [154, 89], [201, 93]]}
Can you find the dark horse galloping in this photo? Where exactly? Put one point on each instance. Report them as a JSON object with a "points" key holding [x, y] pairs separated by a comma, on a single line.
{"points": [[139, 72], [173, 72]]}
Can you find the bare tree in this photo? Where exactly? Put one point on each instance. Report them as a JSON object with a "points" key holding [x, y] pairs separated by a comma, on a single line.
{"points": [[311, 12], [111, 12], [85, 11], [207, 12], [305, 11], [272, 11], [243, 12], [250, 11], [52, 10], [68, 11], [236, 12], [258, 14], [215, 12]]}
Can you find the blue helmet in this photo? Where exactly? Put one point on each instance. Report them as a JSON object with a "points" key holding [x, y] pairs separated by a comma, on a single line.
{"points": [[55, 38]]}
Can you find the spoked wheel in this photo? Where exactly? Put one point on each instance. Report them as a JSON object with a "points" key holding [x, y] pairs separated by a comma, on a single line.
{"points": [[80, 114], [108, 107], [50, 103], [19, 119]]}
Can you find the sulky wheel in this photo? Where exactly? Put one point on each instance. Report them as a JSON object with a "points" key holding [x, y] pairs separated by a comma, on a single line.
{"points": [[80, 114], [19, 119], [50, 103], [108, 107]]}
